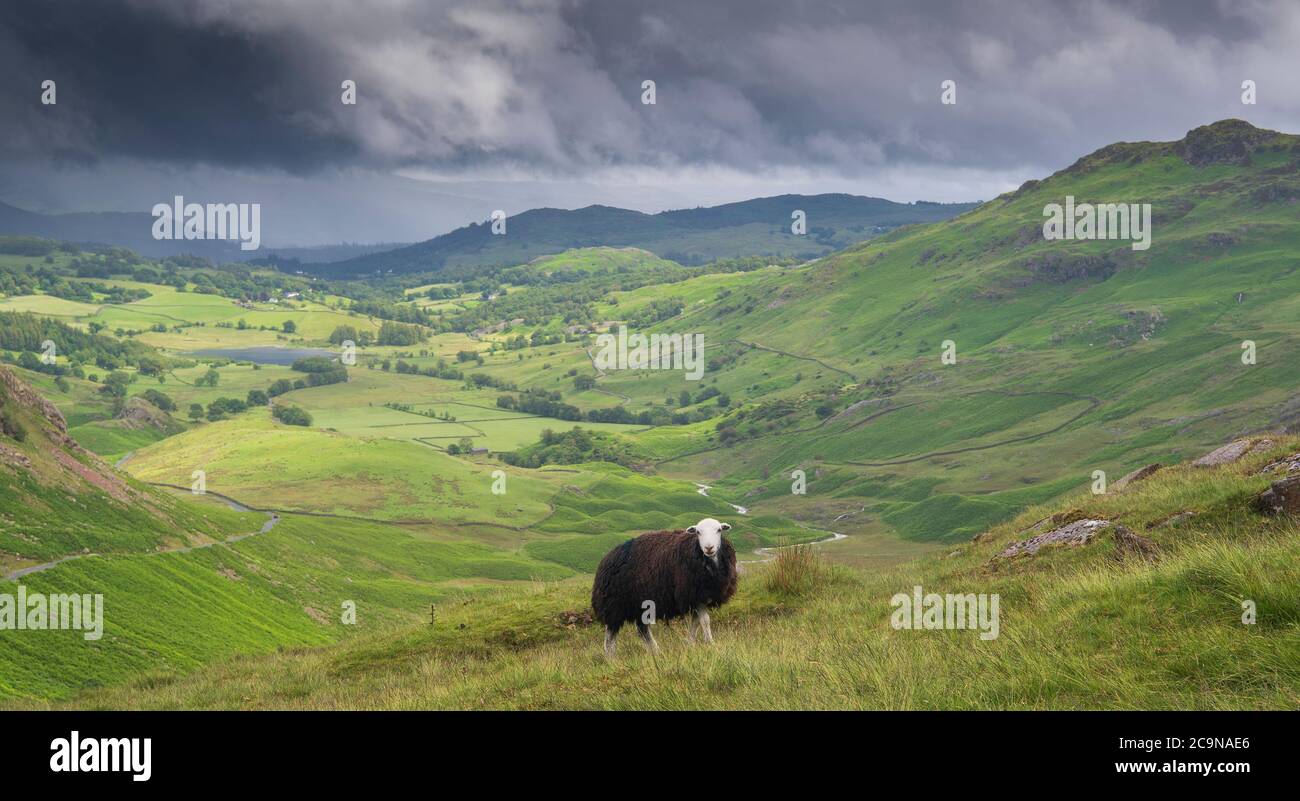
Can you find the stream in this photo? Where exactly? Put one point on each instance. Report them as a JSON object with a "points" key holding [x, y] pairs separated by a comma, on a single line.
{"points": [[768, 553]]}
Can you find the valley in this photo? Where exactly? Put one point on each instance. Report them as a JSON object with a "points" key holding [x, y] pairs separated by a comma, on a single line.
{"points": [[443, 441]]}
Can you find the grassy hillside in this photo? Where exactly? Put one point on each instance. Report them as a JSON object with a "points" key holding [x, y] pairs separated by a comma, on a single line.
{"points": [[59, 500], [1088, 626], [1072, 356]]}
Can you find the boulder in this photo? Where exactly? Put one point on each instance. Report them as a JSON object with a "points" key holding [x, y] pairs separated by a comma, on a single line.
{"points": [[1079, 532], [1137, 475], [1233, 452], [1082, 532], [1282, 497]]}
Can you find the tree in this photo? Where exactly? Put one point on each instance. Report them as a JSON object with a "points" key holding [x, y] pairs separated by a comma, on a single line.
{"points": [[291, 415], [196, 412], [115, 384], [209, 379], [257, 397], [290, 326], [159, 399], [344, 333]]}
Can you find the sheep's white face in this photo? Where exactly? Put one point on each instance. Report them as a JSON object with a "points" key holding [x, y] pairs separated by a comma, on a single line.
{"points": [[709, 533]]}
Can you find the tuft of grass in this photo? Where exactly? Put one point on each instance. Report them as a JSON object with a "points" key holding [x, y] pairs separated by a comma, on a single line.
{"points": [[795, 570]]}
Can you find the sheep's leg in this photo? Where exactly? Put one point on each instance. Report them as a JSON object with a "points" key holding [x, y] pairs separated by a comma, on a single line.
{"points": [[610, 634], [706, 626], [691, 621], [649, 638]]}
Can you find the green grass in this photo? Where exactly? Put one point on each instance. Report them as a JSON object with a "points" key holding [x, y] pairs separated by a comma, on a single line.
{"points": [[284, 589], [1078, 629]]}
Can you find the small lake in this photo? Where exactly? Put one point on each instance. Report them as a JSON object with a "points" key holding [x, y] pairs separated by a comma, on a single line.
{"points": [[265, 355]]}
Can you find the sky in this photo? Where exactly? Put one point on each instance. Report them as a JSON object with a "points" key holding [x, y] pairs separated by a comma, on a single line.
{"points": [[463, 107]]}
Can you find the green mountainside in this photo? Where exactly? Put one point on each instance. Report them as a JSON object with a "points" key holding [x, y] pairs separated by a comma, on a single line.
{"points": [[921, 401]]}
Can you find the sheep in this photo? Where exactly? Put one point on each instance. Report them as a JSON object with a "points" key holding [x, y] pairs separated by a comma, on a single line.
{"points": [[663, 575]]}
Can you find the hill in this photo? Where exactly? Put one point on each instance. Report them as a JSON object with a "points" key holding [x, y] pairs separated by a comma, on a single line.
{"points": [[1197, 611], [134, 230], [687, 236], [58, 500], [1070, 356]]}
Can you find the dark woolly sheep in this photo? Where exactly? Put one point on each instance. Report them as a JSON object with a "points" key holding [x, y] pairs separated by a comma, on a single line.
{"points": [[679, 572]]}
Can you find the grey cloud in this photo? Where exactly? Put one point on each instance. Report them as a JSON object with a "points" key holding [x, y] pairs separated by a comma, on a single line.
{"points": [[551, 88]]}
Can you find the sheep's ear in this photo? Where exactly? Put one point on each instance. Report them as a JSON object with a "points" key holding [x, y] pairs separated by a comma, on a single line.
{"points": [[726, 527], [693, 530]]}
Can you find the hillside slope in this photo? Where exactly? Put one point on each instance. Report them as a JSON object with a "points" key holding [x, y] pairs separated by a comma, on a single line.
{"points": [[689, 236], [1071, 356], [58, 499], [1148, 613]]}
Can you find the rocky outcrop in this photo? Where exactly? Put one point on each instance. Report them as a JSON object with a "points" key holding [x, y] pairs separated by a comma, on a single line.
{"points": [[1233, 451], [1060, 267], [18, 390], [140, 413], [1082, 532], [1282, 497], [1223, 142], [1286, 465], [1140, 474]]}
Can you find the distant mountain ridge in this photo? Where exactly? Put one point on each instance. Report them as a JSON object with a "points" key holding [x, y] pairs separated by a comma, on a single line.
{"points": [[134, 230], [761, 226]]}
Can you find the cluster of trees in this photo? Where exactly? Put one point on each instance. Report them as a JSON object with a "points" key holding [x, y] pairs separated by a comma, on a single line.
{"points": [[401, 334], [27, 334], [465, 445], [159, 399], [656, 311], [574, 447], [440, 370], [392, 312], [541, 403], [549, 404], [219, 409], [483, 380], [349, 333], [321, 370], [291, 415]]}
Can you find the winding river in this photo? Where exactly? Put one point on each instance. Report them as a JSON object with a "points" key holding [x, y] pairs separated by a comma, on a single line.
{"points": [[768, 553]]}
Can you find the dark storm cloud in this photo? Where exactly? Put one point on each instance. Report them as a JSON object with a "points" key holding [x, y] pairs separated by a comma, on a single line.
{"points": [[557, 84], [505, 98]]}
